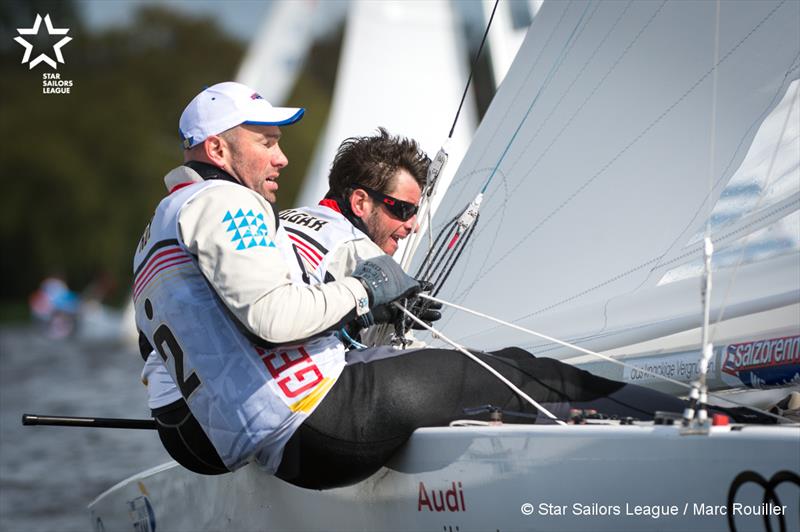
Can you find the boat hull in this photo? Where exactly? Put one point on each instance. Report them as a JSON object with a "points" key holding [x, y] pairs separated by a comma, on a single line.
{"points": [[510, 477]]}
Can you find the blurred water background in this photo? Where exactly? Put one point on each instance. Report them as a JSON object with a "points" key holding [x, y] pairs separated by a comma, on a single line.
{"points": [[49, 474]]}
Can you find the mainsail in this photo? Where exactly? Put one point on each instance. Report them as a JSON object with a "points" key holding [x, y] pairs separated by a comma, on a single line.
{"points": [[595, 158], [510, 24]]}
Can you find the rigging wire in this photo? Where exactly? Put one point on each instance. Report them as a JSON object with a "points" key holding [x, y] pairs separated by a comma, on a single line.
{"points": [[546, 83], [484, 365], [472, 69], [699, 394], [455, 244], [464, 224], [588, 352], [437, 165]]}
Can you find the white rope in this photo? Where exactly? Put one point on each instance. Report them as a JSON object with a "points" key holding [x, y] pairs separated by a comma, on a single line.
{"points": [[582, 350], [554, 340], [486, 366]]}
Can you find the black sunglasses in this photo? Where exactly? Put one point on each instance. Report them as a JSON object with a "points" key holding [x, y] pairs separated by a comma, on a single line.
{"points": [[402, 210]]}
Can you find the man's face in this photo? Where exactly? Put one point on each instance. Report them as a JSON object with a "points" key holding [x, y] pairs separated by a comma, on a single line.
{"points": [[382, 227], [255, 159]]}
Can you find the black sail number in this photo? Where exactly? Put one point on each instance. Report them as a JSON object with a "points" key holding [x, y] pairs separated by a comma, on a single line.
{"points": [[167, 345]]}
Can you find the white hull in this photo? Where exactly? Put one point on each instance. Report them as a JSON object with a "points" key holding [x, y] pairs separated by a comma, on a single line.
{"points": [[479, 478]]}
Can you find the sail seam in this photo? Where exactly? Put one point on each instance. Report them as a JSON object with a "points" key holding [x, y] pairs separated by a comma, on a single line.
{"points": [[689, 253], [616, 157]]}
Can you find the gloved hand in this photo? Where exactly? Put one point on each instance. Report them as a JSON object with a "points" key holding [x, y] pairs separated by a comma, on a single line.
{"points": [[427, 311], [381, 314], [424, 309], [385, 280]]}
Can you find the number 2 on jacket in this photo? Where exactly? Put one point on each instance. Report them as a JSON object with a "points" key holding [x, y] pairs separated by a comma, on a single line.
{"points": [[167, 344]]}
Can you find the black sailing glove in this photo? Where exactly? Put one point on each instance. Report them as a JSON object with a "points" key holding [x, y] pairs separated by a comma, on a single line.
{"points": [[424, 309], [427, 311], [381, 314], [385, 281]]}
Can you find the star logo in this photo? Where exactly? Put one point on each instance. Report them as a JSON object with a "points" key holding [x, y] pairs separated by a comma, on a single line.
{"points": [[34, 30]]}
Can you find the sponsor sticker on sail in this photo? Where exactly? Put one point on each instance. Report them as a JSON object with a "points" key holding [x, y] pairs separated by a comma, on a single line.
{"points": [[683, 366], [762, 363]]}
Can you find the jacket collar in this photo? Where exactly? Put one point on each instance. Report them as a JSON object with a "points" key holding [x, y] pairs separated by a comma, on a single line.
{"points": [[342, 206], [209, 171]]}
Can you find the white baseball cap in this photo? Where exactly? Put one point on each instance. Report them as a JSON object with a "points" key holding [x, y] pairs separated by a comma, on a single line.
{"points": [[225, 105]]}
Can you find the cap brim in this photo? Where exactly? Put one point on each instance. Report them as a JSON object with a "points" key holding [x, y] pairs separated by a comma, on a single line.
{"points": [[278, 116]]}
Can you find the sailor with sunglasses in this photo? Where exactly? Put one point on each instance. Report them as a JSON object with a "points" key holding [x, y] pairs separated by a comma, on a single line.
{"points": [[384, 394], [375, 187]]}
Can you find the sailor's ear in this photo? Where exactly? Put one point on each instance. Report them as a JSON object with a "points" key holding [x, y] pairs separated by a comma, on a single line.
{"points": [[216, 149], [358, 202]]}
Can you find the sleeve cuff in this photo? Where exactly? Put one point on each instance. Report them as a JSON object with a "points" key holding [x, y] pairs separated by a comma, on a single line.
{"points": [[360, 295]]}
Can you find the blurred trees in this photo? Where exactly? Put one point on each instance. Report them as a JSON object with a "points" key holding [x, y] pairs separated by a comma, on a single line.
{"points": [[82, 173]]}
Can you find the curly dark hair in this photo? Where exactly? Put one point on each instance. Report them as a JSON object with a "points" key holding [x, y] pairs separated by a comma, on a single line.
{"points": [[373, 161]]}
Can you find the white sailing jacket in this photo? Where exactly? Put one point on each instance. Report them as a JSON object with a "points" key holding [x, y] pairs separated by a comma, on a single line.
{"points": [[214, 295], [326, 247], [324, 244]]}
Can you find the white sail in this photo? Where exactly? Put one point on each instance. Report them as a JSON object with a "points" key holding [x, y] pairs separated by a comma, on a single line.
{"points": [[757, 213], [509, 26], [595, 158], [747, 358], [276, 54], [403, 68]]}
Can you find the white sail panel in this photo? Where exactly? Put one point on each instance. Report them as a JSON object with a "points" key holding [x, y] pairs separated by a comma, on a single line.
{"points": [[403, 68], [750, 221], [595, 158], [507, 32], [640, 316], [275, 56]]}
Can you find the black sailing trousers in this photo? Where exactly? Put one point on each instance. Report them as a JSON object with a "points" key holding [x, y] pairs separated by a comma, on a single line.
{"points": [[374, 407]]}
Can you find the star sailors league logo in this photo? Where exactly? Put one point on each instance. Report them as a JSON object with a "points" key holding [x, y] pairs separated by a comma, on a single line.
{"points": [[51, 82], [42, 58]]}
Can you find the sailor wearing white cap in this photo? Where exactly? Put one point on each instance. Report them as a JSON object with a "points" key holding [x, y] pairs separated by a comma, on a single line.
{"points": [[241, 336], [229, 104]]}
